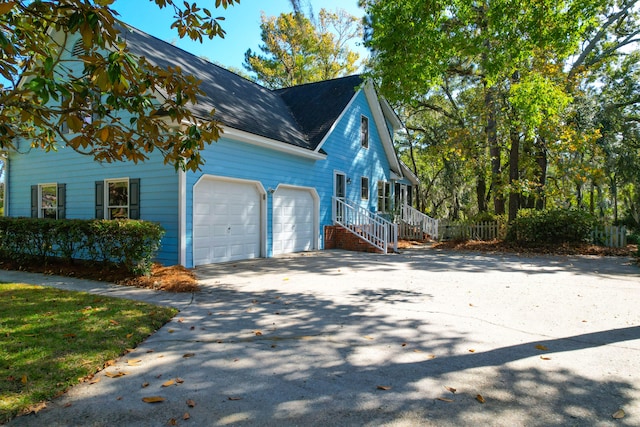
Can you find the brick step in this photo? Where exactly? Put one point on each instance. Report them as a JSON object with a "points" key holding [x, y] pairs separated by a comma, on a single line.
{"points": [[338, 237]]}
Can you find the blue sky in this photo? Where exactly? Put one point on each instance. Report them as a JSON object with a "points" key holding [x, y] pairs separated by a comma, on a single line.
{"points": [[242, 24]]}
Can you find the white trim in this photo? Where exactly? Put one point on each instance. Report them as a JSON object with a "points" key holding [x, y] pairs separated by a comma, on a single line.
{"points": [[263, 209], [339, 172], [383, 131], [391, 115], [333, 126], [316, 211], [408, 173], [182, 218], [271, 144]]}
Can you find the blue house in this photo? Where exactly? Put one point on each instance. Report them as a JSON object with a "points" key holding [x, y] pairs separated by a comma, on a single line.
{"points": [[291, 164]]}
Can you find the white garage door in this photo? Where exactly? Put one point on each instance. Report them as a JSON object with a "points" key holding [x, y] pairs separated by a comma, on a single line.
{"points": [[293, 220], [226, 221]]}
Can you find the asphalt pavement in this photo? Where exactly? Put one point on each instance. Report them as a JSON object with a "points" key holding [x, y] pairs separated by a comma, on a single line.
{"points": [[425, 337]]}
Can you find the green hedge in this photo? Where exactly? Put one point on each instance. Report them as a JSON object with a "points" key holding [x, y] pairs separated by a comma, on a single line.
{"points": [[131, 243], [551, 226]]}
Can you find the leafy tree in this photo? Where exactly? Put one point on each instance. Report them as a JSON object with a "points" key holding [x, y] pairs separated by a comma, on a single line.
{"points": [[46, 93], [296, 50]]}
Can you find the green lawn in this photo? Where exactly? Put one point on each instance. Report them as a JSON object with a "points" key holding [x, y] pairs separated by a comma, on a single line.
{"points": [[51, 339]]}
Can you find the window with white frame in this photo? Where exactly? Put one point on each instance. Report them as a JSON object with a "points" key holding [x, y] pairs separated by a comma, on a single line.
{"points": [[364, 188], [384, 196], [48, 201], [364, 131], [117, 198]]}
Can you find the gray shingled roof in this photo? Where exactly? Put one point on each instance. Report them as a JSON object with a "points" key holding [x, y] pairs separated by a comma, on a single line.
{"points": [[299, 115]]}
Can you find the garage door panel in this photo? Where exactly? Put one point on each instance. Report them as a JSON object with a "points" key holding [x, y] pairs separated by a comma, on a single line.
{"points": [[227, 224], [293, 220]]}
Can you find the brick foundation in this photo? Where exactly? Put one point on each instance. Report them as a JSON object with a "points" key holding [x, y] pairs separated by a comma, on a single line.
{"points": [[337, 237]]}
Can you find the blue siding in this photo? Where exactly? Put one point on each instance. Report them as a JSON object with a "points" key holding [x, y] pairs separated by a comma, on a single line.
{"points": [[244, 161], [158, 188]]}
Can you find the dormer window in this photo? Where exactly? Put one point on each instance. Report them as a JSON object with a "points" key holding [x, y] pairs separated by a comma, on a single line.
{"points": [[364, 131]]}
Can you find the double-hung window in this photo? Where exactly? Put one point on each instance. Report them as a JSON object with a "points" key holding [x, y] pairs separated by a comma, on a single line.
{"points": [[118, 198], [364, 188], [384, 196], [48, 200]]}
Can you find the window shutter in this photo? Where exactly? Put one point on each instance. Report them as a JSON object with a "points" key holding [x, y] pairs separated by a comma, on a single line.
{"points": [[99, 199], [34, 201], [134, 198], [62, 201]]}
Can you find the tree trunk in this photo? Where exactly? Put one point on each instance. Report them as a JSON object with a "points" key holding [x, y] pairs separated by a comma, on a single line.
{"points": [[514, 173], [481, 190], [541, 160], [494, 150]]}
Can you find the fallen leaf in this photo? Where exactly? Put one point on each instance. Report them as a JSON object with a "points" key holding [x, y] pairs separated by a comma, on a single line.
{"points": [[234, 398], [173, 422], [404, 344], [134, 362], [116, 374], [541, 347], [145, 385], [153, 399], [480, 399], [618, 414], [180, 320], [109, 363], [95, 380], [188, 355], [193, 327], [191, 403], [23, 380], [168, 383], [179, 380], [471, 350], [367, 337], [119, 398], [129, 336], [444, 399], [431, 356], [150, 351], [66, 405], [451, 389], [383, 387], [171, 331], [69, 335], [186, 416], [258, 333], [545, 358], [113, 322]]}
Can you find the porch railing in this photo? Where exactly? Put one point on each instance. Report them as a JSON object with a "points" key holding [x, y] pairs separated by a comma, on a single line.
{"points": [[365, 224], [416, 225]]}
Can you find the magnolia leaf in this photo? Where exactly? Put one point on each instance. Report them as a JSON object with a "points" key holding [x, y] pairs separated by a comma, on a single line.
{"points": [[471, 350], [23, 380], [234, 398], [113, 322], [383, 387], [191, 403], [258, 333], [367, 337], [618, 414], [479, 398], [186, 416], [545, 358], [444, 399], [541, 347], [153, 399], [134, 362], [451, 389], [173, 422], [95, 380], [116, 374], [179, 380], [6, 7], [168, 383], [145, 385]]}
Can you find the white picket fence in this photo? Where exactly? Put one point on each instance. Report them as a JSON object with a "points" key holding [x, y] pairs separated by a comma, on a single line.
{"points": [[483, 230], [610, 235]]}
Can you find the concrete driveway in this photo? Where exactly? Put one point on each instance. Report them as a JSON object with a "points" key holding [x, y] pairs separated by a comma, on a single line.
{"points": [[420, 338]]}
